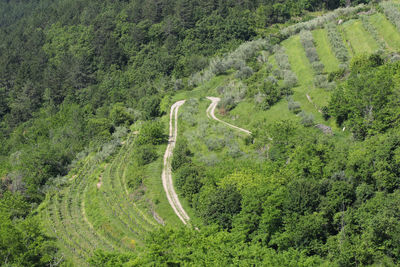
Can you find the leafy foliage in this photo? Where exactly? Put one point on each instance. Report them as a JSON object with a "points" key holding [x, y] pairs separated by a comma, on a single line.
{"points": [[367, 102], [337, 44]]}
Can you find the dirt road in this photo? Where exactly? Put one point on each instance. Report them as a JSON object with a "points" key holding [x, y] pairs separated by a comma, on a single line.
{"points": [[211, 114], [167, 170]]}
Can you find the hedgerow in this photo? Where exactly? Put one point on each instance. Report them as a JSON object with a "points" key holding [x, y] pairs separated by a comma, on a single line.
{"points": [[319, 22], [337, 44], [236, 60], [307, 41], [289, 77]]}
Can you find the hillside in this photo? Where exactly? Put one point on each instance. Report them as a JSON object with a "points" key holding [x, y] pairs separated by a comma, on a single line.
{"points": [[281, 150]]}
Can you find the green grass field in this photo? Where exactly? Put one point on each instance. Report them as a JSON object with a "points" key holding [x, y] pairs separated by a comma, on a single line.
{"points": [[324, 50], [358, 38], [387, 30]]}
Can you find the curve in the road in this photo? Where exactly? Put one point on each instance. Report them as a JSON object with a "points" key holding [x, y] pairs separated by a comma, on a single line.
{"points": [[167, 170], [211, 114]]}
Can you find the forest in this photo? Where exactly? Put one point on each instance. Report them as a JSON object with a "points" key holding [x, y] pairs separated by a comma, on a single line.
{"points": [[86, 89]]}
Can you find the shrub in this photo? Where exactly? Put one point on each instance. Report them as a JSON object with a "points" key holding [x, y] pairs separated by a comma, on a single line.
{"points": [[218, 66], [337, 44], [263, 57], [214, 144], [293, 106], [234, 150], [182, 154], [307, 41], [320, 21], [336, 74], [232, 94], [188, 181], [135, 177], [281, 58], [278, 74], [307, 119], [325, 113], [152, 132], [289, 79], [145, 154], [318, 67], [321, 81], [244, 72], [178, 85], [269, 94], [395, 58], [235, 63], [107, 150], [235, 59], [120, 133], [120, 115]]}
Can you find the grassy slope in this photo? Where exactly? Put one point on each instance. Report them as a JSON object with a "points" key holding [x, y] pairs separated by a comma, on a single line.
{"points": [[305, 74], [387, 30], [104, 213], [359, 40], [324, 50]]}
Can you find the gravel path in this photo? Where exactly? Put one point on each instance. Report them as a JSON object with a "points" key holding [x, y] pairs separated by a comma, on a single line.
{"points": [[167, 170], [211, 114]]}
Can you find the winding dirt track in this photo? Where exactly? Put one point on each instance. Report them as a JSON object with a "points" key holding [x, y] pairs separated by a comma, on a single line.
{"points": [[166, 175], [211, 114], [167, 172]]}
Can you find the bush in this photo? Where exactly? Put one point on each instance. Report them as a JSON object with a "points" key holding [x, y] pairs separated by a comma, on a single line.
{"points": [[234, 150], [135, 177], [281, 58], [232, 94], [289, 79], [293, 106], [145, 154], [120, 133], [235, 59], [269, 94], [336, 74], [214, 144], [152, 132], [188, 181], [191, 108], [321, 81], [318, 67], [107, 150], [218, 67], [263, 57], [182, 154], [337, 44], [278, 74], [307, 41], [244, 72], [307, 119], [120, 115], [320, 21], [325, 113]]}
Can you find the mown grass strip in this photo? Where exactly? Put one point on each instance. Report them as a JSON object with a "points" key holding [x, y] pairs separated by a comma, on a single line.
{"points": [[387, 30], [358, 38]]}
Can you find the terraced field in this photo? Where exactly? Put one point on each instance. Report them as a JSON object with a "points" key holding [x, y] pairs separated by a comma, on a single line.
{"points": [[97, 210], [356, 39]]}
